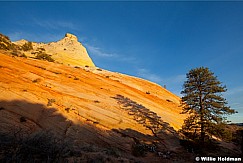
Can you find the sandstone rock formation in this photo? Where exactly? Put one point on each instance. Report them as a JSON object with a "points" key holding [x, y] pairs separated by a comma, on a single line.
{"points": [[86, 105], [67, 51], [100, 115]]}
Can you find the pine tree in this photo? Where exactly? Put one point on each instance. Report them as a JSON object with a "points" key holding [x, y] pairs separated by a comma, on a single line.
{"points": [[202, 100]]}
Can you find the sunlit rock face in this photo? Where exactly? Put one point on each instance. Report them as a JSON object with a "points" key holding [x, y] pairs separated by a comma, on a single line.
{"points": [[68, 51]]}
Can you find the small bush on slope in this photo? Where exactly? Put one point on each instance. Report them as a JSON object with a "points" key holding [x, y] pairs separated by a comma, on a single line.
{"points": [[44, 56], [27, 46]]}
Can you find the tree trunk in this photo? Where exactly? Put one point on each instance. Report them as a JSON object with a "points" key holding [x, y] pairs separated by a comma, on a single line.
{"points": [[202, 137]]}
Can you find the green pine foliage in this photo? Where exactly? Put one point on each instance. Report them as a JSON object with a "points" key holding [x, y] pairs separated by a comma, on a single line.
{"points": [[205, 105]]}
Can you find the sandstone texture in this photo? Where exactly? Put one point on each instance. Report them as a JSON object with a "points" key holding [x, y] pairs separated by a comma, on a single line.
{"points": [[86, 105], [68, 51], [97, 115]]}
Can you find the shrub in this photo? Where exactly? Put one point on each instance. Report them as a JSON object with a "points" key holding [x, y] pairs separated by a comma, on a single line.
{"points": [[148, 92], [27, 46], [67, 109], [50, 101], [44, 56], [5, 42], [15, 53], [36, 80], [3, 46], [3, 37], [41, 49], [36, 147]]}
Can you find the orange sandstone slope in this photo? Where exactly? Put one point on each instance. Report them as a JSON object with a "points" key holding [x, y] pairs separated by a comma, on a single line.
{"points": [[65, 100], [90, 91]]}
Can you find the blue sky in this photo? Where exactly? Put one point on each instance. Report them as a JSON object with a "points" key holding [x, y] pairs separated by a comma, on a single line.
{"points": [[158, 41]]}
